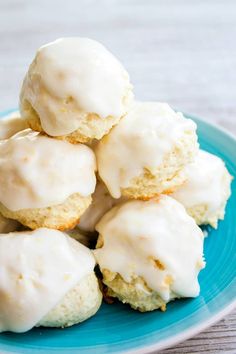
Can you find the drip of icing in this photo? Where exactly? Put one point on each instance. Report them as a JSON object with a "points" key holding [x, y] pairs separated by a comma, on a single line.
{"points": [[78, 71], [141, 140], [207, 183], [156, 240], [37, 171], [37, 268]]}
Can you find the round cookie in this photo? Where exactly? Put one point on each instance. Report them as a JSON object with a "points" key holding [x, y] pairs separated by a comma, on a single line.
{"points": [[62, 216], [46, 279], [79, 304], [144, 155], [75, 90], [45, 182], [149, 253], [206, 189]]}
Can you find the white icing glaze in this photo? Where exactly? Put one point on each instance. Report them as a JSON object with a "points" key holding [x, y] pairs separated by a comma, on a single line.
{"points": [[37, 171], [11, 124], [102, 202], [137, 233], [78, 69], [142, 139], [36, 270], [208, 183]]}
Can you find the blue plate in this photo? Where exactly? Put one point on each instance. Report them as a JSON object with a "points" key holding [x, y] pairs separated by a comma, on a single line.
{"points": [[117, 328]]}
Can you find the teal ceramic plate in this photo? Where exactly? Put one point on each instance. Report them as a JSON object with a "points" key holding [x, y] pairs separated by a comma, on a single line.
{"points": [[117, 328]]}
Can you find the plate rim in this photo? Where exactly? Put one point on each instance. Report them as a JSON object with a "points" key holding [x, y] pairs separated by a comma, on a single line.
{"points": [[186, 334]]}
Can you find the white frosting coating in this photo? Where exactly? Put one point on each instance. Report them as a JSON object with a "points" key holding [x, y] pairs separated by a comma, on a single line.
{"points": [[36, 270], [102, 202], [37, 171], [11, 124], [141, 140], [79, 70], [208, 183], [139, 232]]}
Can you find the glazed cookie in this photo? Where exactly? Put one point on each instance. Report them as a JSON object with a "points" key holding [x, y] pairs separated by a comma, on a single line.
{"points": [[145, 154], [75, 90], [149, 253], [46, 279], [45, 182], [206, 190]]}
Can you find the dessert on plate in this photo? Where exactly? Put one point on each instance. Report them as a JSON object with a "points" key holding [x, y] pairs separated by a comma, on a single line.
{"points": [[149, 253], [141, 211], [45, 182], [145, 154], [206, 189], [75, 89], [46, 279]]}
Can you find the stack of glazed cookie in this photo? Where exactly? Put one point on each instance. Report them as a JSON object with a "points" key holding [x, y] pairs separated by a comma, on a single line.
{"points": [[86, 166]]}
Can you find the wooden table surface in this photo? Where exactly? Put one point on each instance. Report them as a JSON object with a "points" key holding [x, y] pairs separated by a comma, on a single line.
{"points": [[179, 51]]}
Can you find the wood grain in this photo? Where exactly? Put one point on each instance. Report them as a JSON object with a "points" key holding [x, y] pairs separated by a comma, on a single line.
{"points": [[179, 51]]}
